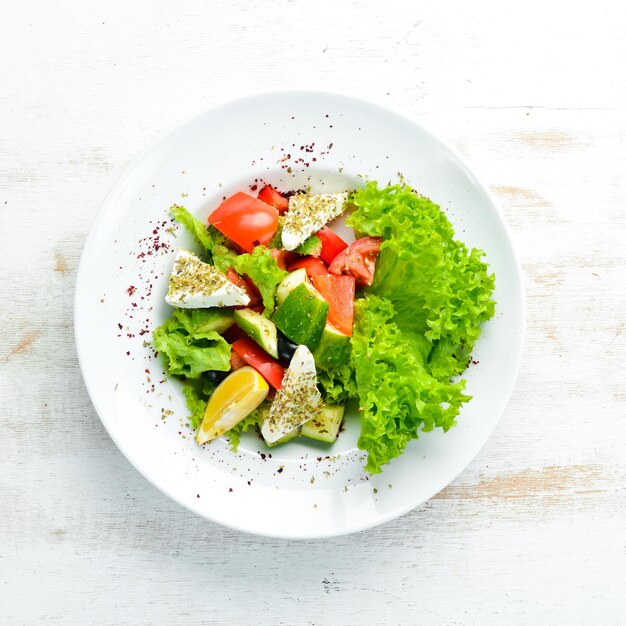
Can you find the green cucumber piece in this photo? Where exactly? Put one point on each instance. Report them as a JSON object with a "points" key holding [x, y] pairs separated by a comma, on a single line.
{"points": [[333, 349], [296, 432], [302, 316], [263, 415], [258, 328], [311, 246], [289, 283], [205, 320], [325, 427]]}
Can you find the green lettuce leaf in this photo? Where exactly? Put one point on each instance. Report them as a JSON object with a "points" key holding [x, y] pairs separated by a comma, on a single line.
{"points": [[197, 393], [398, 396], [441, 291], [254, 419], [262, 269], [223, 256], [337, 385], [415, 329], [188, 347], [277, 240], [212, 241], [194, 226]]}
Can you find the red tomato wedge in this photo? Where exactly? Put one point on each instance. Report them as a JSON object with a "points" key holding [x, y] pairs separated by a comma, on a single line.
{"points": [[283, 257], [358, 260], [332, 244], [338, 291], [262, 362], [312, 265], [247, 285], [245, 220], [236, 361], [274, 198]]}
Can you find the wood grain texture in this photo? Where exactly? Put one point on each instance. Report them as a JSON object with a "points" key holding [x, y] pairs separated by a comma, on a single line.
{"points": [[534, 531]]}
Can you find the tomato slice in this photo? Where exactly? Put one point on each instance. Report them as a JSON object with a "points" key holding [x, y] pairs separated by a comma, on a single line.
{"points": [[332, 244], [358, 260], [283, 257], [312, 265], [338, 291], [274, 198], [247, 285], [262, 362], [236, 361], [245, 220]]}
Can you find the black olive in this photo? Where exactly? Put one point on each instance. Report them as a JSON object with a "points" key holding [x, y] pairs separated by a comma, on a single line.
{"points": [[216, 376], [286, 348]]}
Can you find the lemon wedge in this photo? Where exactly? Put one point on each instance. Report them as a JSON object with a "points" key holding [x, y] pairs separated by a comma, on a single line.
{"points": [[233, 399]]}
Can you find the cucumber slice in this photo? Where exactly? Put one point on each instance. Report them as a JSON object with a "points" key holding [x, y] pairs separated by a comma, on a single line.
{"points": [[302, 316], [264, 412], [288, 437], [333, 349], [325, 427], [258, 328], [205, 320], [289, 283], [312, 246]]}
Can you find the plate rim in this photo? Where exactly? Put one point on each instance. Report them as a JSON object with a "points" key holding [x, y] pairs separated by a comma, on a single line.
{"points": [[92, 234]]}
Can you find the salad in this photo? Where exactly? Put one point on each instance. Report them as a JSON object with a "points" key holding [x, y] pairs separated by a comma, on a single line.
{"points": [[277, 322]]}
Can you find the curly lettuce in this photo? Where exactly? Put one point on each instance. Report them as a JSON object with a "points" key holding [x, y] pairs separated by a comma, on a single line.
{"points": [[418, 323], [440, 290], [337, 385], [189, 342], [398, 396], [261, 268]]}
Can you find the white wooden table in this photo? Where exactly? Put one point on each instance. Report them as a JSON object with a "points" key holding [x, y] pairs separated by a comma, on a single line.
{"points": [[534, 531]]}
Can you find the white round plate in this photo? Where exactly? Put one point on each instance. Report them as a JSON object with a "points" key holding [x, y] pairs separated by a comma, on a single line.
{"points": [[291, 140]]}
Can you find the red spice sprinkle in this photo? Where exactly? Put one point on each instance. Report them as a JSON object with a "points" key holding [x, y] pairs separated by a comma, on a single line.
{"points": [[230, 490], [131, 290], [127, 353], [197, 495], [147, 371], [119, 326]]}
